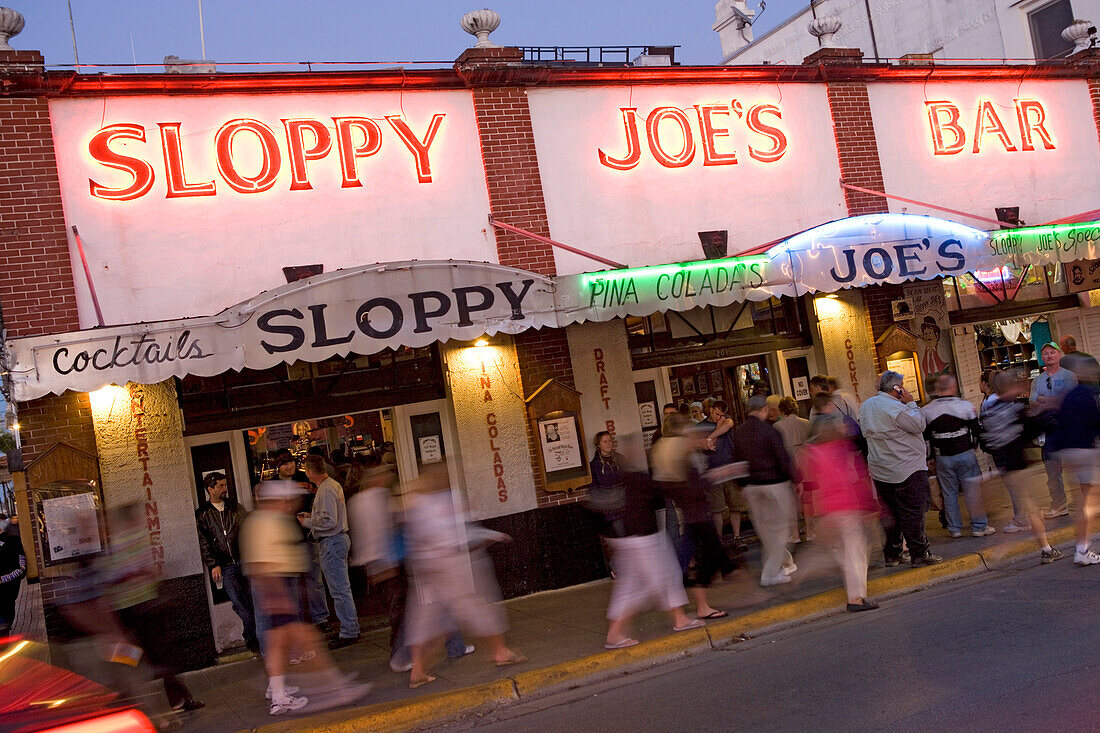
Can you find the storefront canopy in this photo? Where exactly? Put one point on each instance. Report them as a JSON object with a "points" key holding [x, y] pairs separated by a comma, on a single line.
{"points": [[853, 252], [362, 310], [367, 309]]}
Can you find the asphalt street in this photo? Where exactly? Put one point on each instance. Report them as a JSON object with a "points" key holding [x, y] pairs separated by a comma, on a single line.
{"points": [[1011, 651]]}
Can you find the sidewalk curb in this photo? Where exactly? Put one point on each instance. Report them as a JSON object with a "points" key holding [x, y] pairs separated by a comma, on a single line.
{"points": [[431, 709], [400, 714]]}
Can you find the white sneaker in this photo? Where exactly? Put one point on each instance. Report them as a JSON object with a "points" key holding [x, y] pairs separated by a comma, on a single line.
{"points": [[305, 656], [790, 568], [781, 579], [985, 532], [288, 689], [1012, 527], [287, 703], [406, 667], [1088, 557]]}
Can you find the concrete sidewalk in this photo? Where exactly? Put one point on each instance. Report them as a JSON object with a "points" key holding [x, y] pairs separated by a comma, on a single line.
{"points": [[562, 633]]}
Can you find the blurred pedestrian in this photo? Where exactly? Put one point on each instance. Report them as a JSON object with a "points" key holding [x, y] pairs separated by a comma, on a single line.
{"points": [[13, 568], [275, 561], [328, 522], [839, 487], [725, 497], [377, 548], [1007, 431], [952, 431], [286, 469], [1047, 392], [647, 572], [219, 524], [1073, 441], [985, 383], [678, 465], [697, 415], [132, 582], [893, 426], [768, 489], [795, 431], [451, 576]]}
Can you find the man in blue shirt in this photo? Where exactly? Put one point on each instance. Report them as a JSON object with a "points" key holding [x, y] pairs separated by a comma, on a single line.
{"points": [[1047, 392]]}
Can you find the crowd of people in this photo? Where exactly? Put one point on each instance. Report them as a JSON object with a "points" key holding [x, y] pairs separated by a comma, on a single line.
{"points": [[850, 476]]}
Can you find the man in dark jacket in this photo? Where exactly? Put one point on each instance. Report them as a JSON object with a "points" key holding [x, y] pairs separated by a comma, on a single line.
{"points": [[13, 567], [219, 522], [767, 488]]}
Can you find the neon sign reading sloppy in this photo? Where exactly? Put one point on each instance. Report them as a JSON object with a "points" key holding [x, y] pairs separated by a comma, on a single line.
{"points": [[949, 136], [671, 135], [307, 140]]}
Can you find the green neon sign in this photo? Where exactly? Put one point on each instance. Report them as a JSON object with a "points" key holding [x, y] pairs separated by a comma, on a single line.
{"points": [[1050, 238], [674, 282], [655, 271]]}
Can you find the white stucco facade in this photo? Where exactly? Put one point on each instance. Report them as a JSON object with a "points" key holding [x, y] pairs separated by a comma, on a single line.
{"points": [[261, 182], [647, 211], [1003, 172]]}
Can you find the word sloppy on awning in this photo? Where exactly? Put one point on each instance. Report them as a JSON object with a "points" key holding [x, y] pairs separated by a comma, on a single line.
{"points": [[362, 310]]}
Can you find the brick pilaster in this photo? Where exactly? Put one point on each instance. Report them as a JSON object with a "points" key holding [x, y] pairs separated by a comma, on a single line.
{"points": [[515, 195], [856, 147], [37, 295], [36, 277], [1094, 92]]}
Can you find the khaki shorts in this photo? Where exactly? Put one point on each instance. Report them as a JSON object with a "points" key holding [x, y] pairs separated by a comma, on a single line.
{"points": [[1081, 462], [726, 495]]}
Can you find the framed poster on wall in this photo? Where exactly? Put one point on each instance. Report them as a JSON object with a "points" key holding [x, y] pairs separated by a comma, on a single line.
{"points": [[674, 387], [701, 383], [70, 521]]}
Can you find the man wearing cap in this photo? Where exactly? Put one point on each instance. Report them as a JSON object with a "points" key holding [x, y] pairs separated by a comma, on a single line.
{"points": [[767, 488], [1047, 392], [286, 468], [219, 524], [328, 521], [275, 560]]}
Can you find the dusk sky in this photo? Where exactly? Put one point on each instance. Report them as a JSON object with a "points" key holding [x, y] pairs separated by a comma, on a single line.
{"points": [[360, 30]]}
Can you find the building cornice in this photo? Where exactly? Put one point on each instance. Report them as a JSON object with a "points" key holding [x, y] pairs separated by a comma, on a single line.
{"points": [[23, 83]]}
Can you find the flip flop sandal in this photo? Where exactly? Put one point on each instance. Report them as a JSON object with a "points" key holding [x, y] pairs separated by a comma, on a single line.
{"points": [[715, 614], [414, 684], [694, 624], [621, 644], [515, 659]]}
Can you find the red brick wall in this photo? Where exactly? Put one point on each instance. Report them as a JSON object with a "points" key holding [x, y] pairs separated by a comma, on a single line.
{"points": [[877, 299], [512, 175], [36, 278], [50, 419], [1094, 92], [515, 194], [856, 146]]}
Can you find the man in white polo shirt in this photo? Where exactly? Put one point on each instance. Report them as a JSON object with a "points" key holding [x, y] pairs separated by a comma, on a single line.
{"points": [[1047, 392]]}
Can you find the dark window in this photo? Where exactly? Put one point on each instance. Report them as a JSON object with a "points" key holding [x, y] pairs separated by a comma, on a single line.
{"points": [[1047, 24]]}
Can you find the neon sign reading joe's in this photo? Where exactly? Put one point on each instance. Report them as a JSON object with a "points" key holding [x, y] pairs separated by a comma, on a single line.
{"points": [[670, 135], [302, 141]]}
